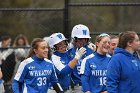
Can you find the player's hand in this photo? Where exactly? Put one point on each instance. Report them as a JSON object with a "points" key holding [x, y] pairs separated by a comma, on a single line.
{"points": [[80, 53]]}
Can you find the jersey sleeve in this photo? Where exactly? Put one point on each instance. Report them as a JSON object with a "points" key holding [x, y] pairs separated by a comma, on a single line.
{"points": [[21, 72], [85, 66], [113, 75], [19, 77], [60, 68], [85, 73], [16, 86]]}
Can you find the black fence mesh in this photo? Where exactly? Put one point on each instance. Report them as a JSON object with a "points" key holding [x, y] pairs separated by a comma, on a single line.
{"points": [[10, 59], [30, 22], [112, 17]]}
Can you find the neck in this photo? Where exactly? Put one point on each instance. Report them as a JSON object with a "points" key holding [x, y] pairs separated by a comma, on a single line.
{"points": [[39, 57], [102, 53], [129, 49]]}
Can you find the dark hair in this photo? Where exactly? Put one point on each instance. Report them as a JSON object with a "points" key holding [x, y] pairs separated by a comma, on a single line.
{"points": [[34, 45], [5, 37], [126, 37]]}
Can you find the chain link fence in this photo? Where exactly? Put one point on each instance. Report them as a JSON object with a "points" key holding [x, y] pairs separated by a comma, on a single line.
{"points": [[10, 59], [111, 18], [31, 22]]}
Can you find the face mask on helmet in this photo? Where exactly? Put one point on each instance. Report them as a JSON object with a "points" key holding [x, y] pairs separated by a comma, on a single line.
{"points": [[55, 39]]}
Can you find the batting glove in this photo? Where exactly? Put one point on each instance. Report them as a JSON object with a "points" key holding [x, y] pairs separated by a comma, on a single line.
{"points": [[80, 53]]}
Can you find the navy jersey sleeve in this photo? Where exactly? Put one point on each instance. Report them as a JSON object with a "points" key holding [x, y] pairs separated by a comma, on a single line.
{"points": [[113, 75]]}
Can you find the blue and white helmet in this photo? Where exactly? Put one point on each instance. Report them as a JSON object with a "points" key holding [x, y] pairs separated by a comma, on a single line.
{"points": [[80, 31], [55, 39]]}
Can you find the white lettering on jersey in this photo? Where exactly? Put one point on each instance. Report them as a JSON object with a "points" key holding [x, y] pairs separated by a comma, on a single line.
{"points": [[99, 72], [40, 72]]}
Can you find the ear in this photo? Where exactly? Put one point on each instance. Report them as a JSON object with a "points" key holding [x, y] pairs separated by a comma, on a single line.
{"points": [[129, 44], [97, 44], [35, 51]]}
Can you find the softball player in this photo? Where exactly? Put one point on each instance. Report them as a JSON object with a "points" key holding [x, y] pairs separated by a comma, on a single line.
{"points": [[35, 73], [123, 74], [80, 38], [94, 67], [61, 59]]}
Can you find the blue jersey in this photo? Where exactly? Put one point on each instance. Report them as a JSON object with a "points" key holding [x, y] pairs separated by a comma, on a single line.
{"points": [[61, 60], [35, 74], [123, 74], [93, 72], [76, 73]]}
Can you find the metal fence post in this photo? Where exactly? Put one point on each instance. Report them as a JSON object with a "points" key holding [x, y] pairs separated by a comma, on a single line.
{"points": [[66, 20]]}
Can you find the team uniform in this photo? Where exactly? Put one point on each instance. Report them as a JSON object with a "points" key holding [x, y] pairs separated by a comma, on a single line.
{"points": [[123, 74], [61, 60], [80, 38], [76, 72], [93, 73], [35, 75]]}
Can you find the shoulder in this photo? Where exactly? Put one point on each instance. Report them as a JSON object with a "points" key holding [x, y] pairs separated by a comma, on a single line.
{"points": [[117, 56], [55, 57], [27, 61], [116, 60], [88, 57], [48, 61]]}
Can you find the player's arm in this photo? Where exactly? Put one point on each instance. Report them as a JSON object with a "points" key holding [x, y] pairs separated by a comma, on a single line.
{"points": [[79, 53], [113, 75], [60, 67], [16, 86], [85, 73]]}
